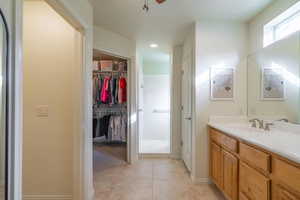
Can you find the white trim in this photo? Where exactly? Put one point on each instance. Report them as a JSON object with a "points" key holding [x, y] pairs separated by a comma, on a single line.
{"points": [[130, 145], [16, 102], [47, 197], [154, 155]]}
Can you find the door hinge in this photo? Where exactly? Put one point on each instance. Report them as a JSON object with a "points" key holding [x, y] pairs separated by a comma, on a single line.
{"points": [[181, 107], [181, 143]]}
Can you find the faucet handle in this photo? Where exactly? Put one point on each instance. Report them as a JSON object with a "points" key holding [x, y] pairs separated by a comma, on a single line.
{"points": [[261, 124], [253, 123], [267, 126]]}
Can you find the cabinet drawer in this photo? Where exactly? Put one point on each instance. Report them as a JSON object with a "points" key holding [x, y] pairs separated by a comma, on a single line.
{"points": [[286, 173], [224, 140], [255, 157], [253, 185], [280, 193]]}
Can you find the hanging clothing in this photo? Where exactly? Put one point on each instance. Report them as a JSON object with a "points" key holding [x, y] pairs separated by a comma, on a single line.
{"points": [[123, 128], [117, 129], [104, 125], [117, 91], [97, 88], [95, 124], [122, 93], [105, 92], [114, 130], [113, 88]]}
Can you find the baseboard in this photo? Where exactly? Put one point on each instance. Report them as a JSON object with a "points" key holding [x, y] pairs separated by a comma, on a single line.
{"points": [[47, 197], [175, 156], [154, 155], [200, 180]]}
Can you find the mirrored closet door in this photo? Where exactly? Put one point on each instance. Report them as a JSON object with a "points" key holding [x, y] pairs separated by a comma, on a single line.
{"points": [[3, 106]]}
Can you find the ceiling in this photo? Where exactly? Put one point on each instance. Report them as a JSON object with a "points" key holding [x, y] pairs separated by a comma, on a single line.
{"points": [[168, 23]]}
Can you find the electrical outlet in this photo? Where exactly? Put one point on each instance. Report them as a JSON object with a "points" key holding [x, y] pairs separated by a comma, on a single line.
{"points": [[42, 111]]}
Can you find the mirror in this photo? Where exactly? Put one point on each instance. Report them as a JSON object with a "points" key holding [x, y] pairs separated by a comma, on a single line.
{"points": [[273, 80], [3, 107]]}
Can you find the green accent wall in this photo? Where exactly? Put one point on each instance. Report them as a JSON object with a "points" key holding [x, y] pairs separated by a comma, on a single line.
{"points": [[156, 68]]}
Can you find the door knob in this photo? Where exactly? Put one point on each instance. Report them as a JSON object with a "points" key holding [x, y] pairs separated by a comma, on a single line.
{"points": [[188, 118]]}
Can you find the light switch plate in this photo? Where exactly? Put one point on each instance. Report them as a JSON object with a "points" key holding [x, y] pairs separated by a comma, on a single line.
{"points": [[42, 111]]}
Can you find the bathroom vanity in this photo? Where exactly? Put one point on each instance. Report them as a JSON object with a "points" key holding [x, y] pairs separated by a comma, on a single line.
{"points": [[246, 167]]}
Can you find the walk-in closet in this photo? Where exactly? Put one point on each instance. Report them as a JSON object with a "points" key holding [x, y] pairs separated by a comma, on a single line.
{"points": [[110, 110]]}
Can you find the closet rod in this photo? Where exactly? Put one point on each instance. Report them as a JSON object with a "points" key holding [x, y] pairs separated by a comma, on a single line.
{"points": [[100, 72]]}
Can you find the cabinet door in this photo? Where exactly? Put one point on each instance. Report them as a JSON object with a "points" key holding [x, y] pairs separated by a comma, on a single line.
{"points": [[216, 166], [242, 197], [280, 193], [230, 175], [253, 185]]}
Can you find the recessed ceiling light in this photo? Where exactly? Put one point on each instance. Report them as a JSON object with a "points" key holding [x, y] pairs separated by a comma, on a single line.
{"points": [[153, 45]]}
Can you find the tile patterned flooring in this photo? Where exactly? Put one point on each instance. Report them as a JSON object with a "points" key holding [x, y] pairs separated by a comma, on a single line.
{"points": [[149, 179]]}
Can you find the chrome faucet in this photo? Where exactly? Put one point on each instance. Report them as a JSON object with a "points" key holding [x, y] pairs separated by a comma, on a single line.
{"points": [[260, 122], [267, 126], [283, 120]]}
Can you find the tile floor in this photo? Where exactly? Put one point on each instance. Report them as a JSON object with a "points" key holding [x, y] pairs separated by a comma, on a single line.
{"points": [[150, 179], [154, 146]]}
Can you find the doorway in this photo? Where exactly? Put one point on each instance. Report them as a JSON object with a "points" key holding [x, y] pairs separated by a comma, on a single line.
{"points": [[111, 102], [52, 103], [154, 105], [186, 108]]}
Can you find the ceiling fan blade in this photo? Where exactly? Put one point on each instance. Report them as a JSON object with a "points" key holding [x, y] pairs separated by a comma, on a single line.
{"points": [[160, 1]]}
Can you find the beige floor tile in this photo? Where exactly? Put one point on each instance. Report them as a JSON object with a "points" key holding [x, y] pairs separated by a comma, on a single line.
{"points": [[148, 179]]}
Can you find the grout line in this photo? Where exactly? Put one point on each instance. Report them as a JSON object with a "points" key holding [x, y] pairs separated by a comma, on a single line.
{"points": [[152, 180]]}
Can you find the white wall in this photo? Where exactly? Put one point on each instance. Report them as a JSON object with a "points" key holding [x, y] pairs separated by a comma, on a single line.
{"points": [[218, 43], [257, 23], [50, 62], [176, 102], [114, 43]]}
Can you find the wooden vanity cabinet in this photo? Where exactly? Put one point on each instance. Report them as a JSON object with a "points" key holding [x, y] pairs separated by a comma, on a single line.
{"points": [[246, 172], [216, 170], [230, 175], [253, 185], [224, 171], [224, 165], [281, 193]]}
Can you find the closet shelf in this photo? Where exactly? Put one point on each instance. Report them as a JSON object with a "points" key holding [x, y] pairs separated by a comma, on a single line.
{"points": [[112, 72]]}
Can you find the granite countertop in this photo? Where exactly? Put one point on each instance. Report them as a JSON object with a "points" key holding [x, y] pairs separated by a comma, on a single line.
{"points": [[284, 142]]}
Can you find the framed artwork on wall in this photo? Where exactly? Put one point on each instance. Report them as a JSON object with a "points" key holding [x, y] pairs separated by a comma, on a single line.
{"points": [[222, 84], [272, 84]]}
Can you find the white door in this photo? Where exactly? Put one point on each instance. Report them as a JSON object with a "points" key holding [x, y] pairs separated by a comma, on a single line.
{"points": [[186, 113]]}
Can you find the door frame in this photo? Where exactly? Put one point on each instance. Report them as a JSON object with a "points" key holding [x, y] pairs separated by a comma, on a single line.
{"points": [[171, 120], [84, 168], [129, 145]]}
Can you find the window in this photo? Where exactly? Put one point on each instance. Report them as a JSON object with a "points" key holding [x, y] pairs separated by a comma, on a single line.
{"points": [[283, 25]]}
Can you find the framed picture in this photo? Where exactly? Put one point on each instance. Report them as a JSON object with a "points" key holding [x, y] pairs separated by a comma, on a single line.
{"points": [[272, 84], [222, 84]]}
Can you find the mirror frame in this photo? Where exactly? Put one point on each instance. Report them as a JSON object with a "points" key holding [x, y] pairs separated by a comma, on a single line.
{"points": [[6, 79]]}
